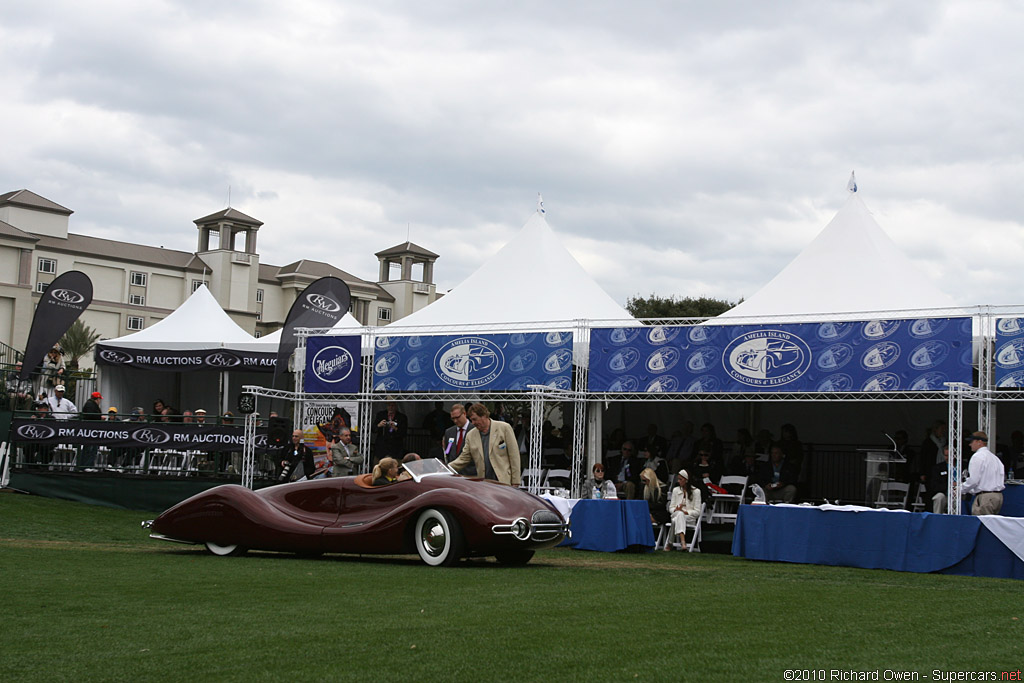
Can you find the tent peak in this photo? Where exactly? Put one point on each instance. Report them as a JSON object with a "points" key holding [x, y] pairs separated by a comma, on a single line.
{"points": [[852, 185]]}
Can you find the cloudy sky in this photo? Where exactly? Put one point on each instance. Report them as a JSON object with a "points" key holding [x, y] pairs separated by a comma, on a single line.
{"points": [[682, 148]]}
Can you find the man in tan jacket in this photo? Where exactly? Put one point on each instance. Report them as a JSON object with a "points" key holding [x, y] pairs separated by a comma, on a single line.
{"points": [[491, 447]]}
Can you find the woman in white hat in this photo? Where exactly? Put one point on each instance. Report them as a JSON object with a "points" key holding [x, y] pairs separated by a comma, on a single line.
{"points": [[684, 507]]}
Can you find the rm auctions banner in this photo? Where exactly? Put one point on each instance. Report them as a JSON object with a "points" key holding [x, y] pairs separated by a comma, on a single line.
{"points": [[1010, 353], [164, 435], [492, 362], [332, 365], [186, 361], [873, 355]]}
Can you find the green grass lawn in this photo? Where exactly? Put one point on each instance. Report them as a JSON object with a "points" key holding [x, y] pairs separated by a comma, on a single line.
{"points": [[87, 595]]}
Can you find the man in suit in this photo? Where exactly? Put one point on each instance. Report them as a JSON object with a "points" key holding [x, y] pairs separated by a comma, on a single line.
{"points": [[455, 438], [778, 477], [624, 469], [491, 447], [344, 455]]}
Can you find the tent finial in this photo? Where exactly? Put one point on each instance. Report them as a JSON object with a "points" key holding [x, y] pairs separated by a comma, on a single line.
{"points": [[852, 185], [540, 204]]}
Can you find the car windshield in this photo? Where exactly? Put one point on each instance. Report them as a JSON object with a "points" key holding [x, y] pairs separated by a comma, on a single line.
{"points": [[426, 468]]}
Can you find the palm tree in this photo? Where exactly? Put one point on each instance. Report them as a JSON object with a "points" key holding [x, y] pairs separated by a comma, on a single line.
{"points": [[76, 342]]}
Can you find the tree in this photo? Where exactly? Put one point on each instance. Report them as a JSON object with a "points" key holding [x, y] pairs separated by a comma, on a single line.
{"points": [[672, 307], [78, 341]]}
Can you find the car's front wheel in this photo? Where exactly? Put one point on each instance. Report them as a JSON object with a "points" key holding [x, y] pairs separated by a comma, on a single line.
{"points": [[438, 538], [225, 550]]}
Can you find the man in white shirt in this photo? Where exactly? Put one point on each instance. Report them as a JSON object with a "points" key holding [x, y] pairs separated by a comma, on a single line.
{"points": [[985, 477], [60, 407]]}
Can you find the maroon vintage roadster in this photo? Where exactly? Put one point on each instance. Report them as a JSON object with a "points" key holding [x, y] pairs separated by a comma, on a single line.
{"points": [[436, 513]]}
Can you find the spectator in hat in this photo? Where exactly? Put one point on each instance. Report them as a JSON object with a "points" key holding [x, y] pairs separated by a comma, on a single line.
{"points": [[52, 371], [985, 477], [199, 416], [92, 412], [60, 407], [684, 507], [111, 415]]}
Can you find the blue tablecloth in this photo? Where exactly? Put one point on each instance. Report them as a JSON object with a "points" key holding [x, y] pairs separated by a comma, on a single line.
{"points": [[610, 525], [915, 542]]}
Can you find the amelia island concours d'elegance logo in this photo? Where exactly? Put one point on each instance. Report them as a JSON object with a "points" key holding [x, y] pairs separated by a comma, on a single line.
{"points": [[767, 358], [469, 362], [332, 364]]}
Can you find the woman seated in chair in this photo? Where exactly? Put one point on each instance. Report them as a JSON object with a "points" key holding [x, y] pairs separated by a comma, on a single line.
{"points": [[654, 494], [599, 487], [385, 472], [684, 508]]}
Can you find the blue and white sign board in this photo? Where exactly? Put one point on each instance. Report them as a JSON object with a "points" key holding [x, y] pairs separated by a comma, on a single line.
{"points": [[486, 362], [874, 355], [1010, 353], [332, 365]]}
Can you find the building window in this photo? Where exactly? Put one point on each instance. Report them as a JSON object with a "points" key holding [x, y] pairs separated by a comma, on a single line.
{"points": [[135, 322], [196, 284], [258, 334], [138, 280], [383, 314], [47, 265], [259, 315], [41, 286], [136, 300], [259, 296]]}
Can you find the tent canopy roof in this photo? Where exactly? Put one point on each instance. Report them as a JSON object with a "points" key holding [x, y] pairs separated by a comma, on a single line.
{"points": [[852, 265], [538, 280]]}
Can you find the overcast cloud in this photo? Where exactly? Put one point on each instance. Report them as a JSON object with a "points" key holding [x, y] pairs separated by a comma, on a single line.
{"points": [[682, 148]]}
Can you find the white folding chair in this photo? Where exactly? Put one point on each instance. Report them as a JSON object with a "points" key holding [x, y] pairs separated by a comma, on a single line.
{"points": [[725, 506], [694, 546], [892, 495], [532, 477], [919, 504], [565, 475]]}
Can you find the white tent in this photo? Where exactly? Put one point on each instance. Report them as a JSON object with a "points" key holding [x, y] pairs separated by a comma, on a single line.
{"points": [[532, 279], [852, 265]]}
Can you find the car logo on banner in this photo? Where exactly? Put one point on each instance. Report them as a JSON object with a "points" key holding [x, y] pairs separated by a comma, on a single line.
{"points": [[417, 365], [563, 383], [624, 360], [927, 327], [1011, 354], [623, 335], [522, 362], [702, 359], [880, 329], [222, 359], [557, 338], [387, 384], [663, 385], [1014, 380], [67, 296], [701, 334], [929, 354], [332, 364], [414, 342], [324, 303], [518, 339], [767, 358], [661, 334], [884, 381], [837, 382], [930, 381], [387, 363], [832, 331], [1010, 326], [626, 384], [116, 357], [834, 357], [880, 356], [151, 436], [469, 362], [383, 342], [663, 360], [558, 361], [705, 384], [523, 383], [36, 432]]}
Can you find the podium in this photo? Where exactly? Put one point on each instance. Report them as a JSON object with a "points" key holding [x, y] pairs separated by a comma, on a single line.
{"points": [[878, 462]]}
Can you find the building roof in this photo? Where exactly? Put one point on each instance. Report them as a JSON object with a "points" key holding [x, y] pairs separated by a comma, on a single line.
{"points": [[318, 269], [8, 230], [121, 251], [407, 248], [851, 266], [228, 214], [31, 200]]}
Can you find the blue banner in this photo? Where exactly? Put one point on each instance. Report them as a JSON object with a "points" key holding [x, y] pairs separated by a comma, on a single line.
{"points": [[874, 355], [332, 365], [491, 362], [1010, 353]]}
